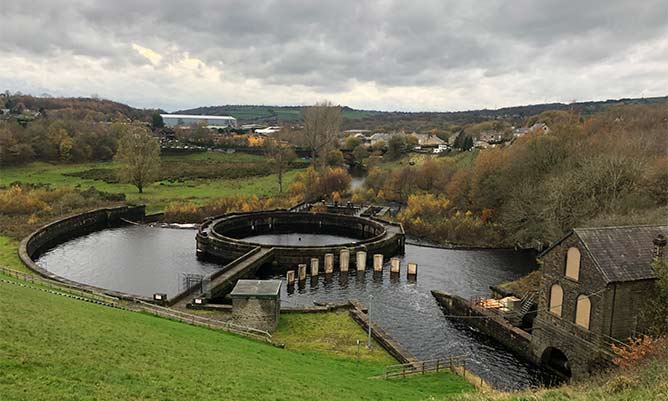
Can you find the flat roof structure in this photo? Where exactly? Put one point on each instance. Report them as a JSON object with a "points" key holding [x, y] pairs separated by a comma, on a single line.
{"points": [[193, 119], [256, 289]]}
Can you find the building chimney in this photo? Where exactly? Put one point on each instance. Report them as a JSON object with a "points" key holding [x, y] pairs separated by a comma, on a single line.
{"points": [[659, 244]]}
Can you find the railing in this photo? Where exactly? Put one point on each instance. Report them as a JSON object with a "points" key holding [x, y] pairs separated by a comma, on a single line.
{"points": [[57, 286], [190, 318], [156, 310], [453, 363]]}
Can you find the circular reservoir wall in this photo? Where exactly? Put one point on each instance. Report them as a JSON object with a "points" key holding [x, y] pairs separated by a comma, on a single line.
{"points": [[224, 238]]}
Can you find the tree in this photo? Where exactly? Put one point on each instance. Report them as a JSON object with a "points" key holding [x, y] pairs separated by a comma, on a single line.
{"points": [[279, 156], [157, 121], [351, 142], [322, 123], [360, 153], [396, 146], [139, 155], [335, 158], [468, 143]]}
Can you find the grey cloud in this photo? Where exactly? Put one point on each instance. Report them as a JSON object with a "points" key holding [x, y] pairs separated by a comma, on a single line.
{"points": [[332, 45]]}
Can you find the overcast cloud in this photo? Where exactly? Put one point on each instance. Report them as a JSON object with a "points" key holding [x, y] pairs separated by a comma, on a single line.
{"points": [[388, 55]]}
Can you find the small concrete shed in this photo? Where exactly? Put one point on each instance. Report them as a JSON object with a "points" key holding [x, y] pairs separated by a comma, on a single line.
{"points": [[257, 303]]}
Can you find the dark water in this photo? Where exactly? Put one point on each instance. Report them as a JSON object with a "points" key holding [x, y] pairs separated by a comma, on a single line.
{"points": [[409, 312], [137, 260], [143, 260], [299, 239]]}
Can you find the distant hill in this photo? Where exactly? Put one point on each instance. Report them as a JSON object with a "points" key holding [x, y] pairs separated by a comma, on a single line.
{"points": [[413, 120], [268, 114], [77, 107]]}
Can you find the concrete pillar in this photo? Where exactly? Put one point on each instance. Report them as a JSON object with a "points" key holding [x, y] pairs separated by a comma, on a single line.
{"points": [[344, 260], [291, 277], [329, 263], [395, 265], [302, 272], [412, 269], [361, 261], [378, 262], [315, 265]]}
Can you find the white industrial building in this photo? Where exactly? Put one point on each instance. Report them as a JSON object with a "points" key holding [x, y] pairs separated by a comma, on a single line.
{"points": [[174, 120]]}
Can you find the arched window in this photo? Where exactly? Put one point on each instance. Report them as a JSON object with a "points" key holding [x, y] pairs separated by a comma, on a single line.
{"points": [[556, 299], [582, 311], [573, 263]]}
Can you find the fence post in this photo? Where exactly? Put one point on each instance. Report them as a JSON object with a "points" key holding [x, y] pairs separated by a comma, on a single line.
{"points": [[464, 366], [423, 367], [438, 361]]}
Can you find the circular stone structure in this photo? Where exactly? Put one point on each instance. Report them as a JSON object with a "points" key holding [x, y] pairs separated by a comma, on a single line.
{"points": [[223, 237]]}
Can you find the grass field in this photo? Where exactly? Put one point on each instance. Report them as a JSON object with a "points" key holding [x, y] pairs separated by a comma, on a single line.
{"points": [[332, 333], [8, 254], [55, 348], [159, 194]]}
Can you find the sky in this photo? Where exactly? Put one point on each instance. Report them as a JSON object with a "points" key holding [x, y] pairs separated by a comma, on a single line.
{"points": [[414, 55]]}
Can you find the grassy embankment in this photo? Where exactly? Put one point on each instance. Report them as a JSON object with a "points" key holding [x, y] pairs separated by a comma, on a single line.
{"points": [[55, 348]]}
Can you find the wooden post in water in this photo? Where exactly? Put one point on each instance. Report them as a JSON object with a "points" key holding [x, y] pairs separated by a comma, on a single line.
{"points": [[378, 262], [329, 263], [361, 261], [301, 268], [314, 267], [291, 277], [395, 265], [344, 260]]}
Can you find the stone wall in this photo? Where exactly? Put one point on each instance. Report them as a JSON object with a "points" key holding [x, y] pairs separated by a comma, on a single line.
{"points": [[71, 227], [513, 338], [259, 313], [218, 239], [583, 347]]}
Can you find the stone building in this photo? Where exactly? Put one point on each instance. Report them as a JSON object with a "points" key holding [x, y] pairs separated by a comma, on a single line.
{"points": [[595, 284], [257, 303]]}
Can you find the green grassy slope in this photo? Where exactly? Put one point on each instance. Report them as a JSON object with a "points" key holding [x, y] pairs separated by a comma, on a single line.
{"points": [[54, 348], [159, 194]]}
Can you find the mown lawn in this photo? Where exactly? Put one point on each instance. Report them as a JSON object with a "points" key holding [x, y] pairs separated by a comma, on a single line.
{"points": [[9, 254], [55, 348], [333, 333], [159, 194]]}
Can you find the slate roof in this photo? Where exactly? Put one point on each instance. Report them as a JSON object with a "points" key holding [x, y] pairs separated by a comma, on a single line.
{"points": [[622, 253]]}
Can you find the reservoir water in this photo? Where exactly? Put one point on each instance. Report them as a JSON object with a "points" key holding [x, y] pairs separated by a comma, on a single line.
{"points": [[143, 260], [299, 239]]}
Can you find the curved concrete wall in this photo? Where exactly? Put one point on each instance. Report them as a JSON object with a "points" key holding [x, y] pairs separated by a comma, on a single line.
{"points": [[219, 238], [70, 227]]}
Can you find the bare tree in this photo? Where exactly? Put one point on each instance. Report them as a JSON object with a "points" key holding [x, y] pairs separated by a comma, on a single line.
{"points": [[279, 156], [139, 155], [322, 123]]}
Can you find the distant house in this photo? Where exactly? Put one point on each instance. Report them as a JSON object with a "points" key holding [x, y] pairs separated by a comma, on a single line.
{"points": [[491, 137], [595, 283], [379, 136], [518, 132], [481, 145], [429, 140], [539, 128]]}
